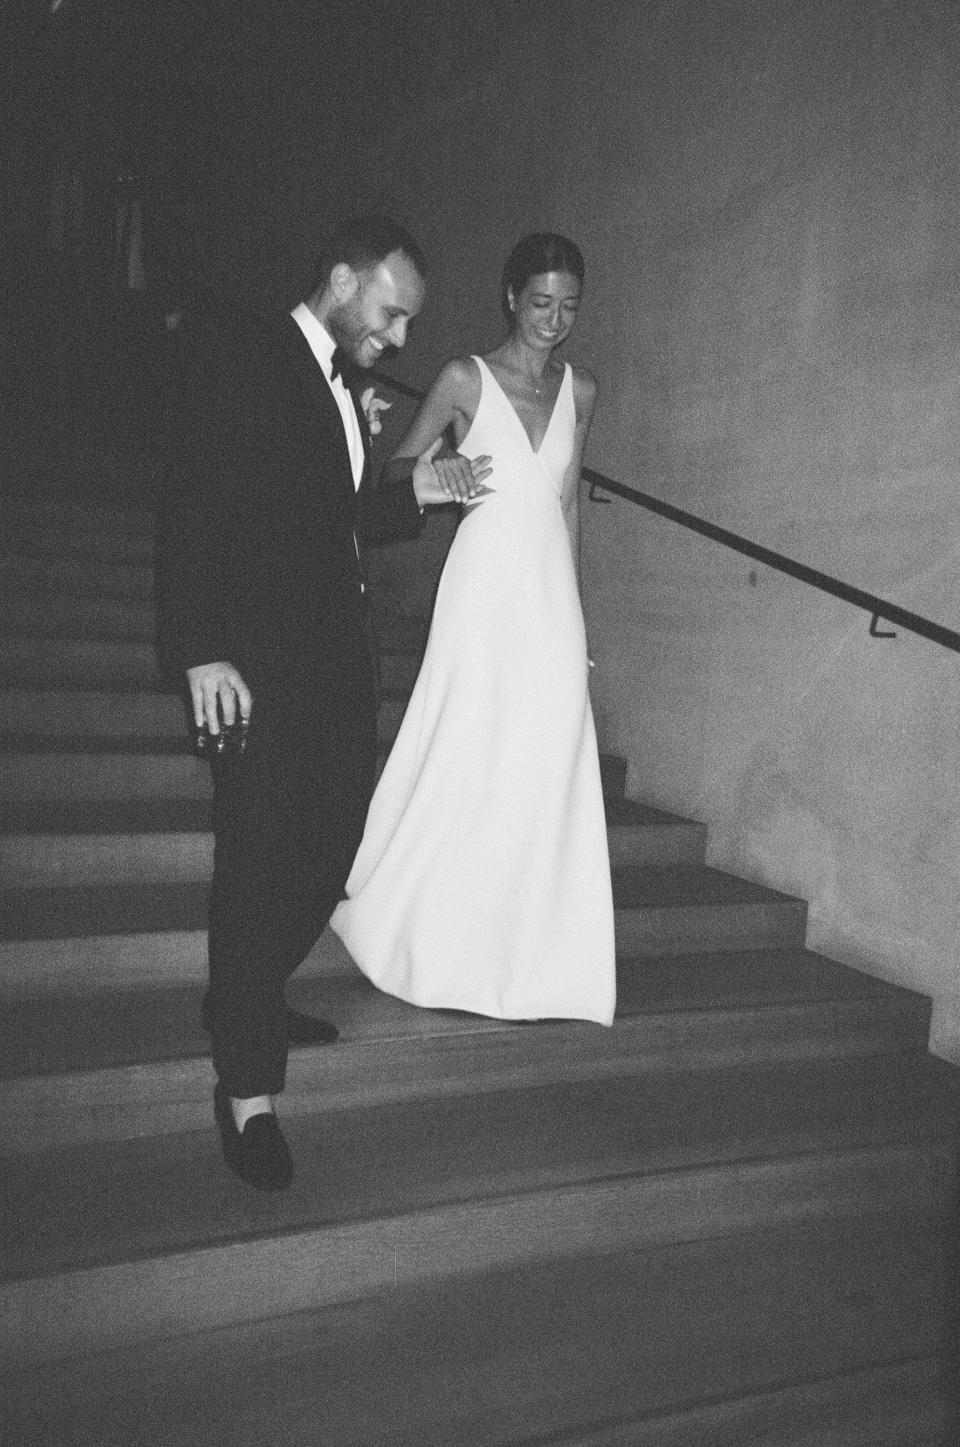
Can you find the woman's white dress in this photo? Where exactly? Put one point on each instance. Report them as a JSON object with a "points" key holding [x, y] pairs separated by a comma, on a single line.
{"points": [[483, 879]]}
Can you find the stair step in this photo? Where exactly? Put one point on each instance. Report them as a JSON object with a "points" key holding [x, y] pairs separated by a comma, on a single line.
{"points": [[134, 1062], [102, 770], [57, 517], [658, 910], [637, 834], [71, 714], [168, 841], [162, 815], [71, 615], [34, 914], [615, 1351], [30, 662], [106, 1239], [150, 717], [89, 817], [78, 939], [78, 615], [75, 938], [75, 531], [676, 909], [70, 768], [41, 574]]}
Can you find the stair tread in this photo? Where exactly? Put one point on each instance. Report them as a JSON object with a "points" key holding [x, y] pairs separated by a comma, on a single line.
{"points": [[698, 886], [69, 1207], [44, 573], [143, 743], [51, 607], [630, 811], [20, 650], [101, 910], [531, 1353], [114, 663], [75, 517], [87, 691], [54, 913], [51, 688], [67, 746], [65, 613], [150, 816], [117, 1028], [146, 816], [19, 744]]}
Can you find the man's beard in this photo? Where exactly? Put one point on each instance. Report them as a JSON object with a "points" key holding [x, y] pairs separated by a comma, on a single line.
{"points": [[348, 337]]}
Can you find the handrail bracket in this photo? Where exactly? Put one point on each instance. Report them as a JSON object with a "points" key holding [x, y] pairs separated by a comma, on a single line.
{"points": [[876, 632]]}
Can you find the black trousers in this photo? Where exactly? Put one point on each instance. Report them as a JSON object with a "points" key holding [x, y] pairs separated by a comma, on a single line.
{"points": [[288, 819]]}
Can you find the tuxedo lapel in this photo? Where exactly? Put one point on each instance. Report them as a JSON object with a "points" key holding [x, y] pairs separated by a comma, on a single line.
{"points": [[321, 404], [364, 433]]}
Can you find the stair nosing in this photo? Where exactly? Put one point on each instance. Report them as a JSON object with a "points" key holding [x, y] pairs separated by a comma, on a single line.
{"points": [[708, 1211]]}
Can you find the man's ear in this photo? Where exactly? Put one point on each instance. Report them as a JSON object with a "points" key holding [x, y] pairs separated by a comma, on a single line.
{"points": [[343, 281]]}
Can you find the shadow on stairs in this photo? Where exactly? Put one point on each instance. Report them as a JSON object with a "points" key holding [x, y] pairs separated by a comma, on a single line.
{"points": [[730, 1219]]}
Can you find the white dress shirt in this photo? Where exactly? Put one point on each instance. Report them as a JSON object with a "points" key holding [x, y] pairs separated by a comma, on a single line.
{"points": [[322, 346]]}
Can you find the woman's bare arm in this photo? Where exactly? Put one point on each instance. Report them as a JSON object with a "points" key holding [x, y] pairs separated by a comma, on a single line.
{"points": [[442, 475]]}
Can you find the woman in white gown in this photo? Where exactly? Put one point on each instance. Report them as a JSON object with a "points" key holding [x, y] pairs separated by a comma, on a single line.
{"points": [[483, 879]]}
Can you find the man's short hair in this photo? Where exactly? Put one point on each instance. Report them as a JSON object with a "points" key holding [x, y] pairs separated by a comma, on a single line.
{"points": [[363, 243]]}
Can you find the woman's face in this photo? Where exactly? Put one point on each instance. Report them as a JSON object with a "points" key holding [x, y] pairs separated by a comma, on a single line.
{"points": [[545, 310]]}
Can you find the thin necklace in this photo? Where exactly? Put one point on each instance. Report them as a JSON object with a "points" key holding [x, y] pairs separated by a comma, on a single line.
{"points": [[522, 372], [537, 389]]}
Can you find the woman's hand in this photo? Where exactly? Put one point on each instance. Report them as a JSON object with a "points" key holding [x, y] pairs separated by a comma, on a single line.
{"points": [[441, 475]]}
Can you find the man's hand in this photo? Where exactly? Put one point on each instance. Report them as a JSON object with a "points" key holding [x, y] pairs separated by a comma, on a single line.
{"points": [[446, 476], [210, 682]]}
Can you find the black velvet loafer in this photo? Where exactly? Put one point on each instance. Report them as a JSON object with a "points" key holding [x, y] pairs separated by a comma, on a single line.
{"points": [[258, 1154]]}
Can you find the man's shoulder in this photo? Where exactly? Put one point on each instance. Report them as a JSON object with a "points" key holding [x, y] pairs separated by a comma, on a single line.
{"points": [[242, 354], [219, 321]]}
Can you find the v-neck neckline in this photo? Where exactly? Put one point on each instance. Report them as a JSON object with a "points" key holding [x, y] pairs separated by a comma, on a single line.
{"points": [[535, 451]]}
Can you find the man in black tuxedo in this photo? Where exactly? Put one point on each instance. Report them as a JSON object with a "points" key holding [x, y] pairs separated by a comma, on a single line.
{"points": [[261, 606]]}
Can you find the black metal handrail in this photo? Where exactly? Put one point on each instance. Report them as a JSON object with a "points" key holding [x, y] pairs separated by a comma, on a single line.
{"points": [[403, 388], [876, 607]]}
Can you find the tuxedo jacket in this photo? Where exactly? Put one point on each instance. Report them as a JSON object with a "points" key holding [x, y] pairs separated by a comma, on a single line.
{"points": [[256, 554]]}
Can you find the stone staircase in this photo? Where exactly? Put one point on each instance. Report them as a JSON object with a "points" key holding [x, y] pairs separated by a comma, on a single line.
{"points": [[730, 1219]]}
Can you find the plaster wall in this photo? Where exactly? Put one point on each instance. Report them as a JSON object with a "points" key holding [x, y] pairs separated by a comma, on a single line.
{"points": [[796, 309]]}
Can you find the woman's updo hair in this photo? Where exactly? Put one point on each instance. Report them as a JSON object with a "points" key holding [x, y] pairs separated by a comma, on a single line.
{"points": [[533, 255]]}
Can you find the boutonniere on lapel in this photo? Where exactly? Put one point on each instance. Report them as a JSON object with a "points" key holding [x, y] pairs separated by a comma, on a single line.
{"points": [[372, 406]]}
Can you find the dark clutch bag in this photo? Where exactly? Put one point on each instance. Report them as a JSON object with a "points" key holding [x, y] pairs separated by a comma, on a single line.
{"points": [[230, 742]]}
